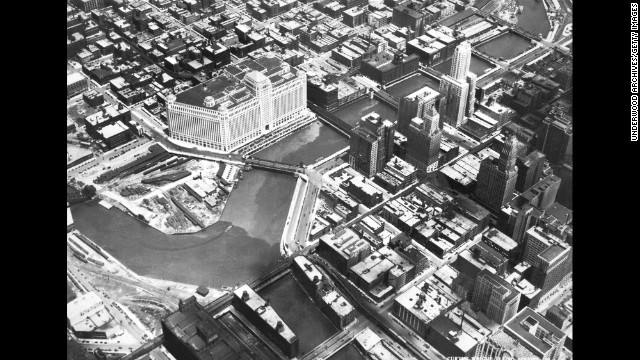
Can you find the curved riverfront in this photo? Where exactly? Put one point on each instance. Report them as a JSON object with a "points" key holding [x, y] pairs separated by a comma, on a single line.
{"points": [[235, 250]]}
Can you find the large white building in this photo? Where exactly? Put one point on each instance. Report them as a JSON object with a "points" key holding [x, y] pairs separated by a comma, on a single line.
{"points": [[250, 99], [458, 88]]}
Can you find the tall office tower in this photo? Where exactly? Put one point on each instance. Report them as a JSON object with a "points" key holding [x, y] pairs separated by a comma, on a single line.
{"points": [[461, 61], [497, 177], [458, 88], [555, 136], [423, 141], [471, 96], [495, 297], [241, 105], [371, 145], [550, 257], [454, 102], [416, 104], [529, 170]]}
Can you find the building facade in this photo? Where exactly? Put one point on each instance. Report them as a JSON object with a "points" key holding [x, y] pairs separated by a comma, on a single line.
{"points": [[497, 177], [423, 141], [458, 88], [371, 144], [495, 297], [251, 99]]}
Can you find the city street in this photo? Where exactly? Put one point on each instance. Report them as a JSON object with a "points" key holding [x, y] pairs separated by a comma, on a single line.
{"points": [[124, 317]]}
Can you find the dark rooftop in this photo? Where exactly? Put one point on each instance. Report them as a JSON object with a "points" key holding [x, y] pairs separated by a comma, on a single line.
{"points": [[199, 331]]}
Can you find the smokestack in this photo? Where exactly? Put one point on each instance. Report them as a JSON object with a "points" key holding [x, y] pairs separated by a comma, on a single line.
{"points": [[245, 296], [279, 326]]}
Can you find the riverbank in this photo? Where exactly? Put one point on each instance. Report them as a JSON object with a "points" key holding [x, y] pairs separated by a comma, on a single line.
{"points": [[177, 195]]}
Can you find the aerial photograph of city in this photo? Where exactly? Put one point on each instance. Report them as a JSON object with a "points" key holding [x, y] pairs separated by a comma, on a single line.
{"points": [[319, 179]]}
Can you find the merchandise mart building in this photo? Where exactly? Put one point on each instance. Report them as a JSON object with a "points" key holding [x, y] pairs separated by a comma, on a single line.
{"points": [[248, 100]]}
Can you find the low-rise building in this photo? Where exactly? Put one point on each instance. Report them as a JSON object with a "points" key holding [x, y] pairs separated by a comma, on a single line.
{"points": [[537, 334], [265, 318]]}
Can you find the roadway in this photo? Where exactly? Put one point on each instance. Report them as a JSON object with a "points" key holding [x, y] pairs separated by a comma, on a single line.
{"points": [[158, 135], [385, 307], [131, 325]]}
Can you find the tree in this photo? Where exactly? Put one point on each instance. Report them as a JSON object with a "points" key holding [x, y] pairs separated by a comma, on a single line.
{"points": [[89, 191]]}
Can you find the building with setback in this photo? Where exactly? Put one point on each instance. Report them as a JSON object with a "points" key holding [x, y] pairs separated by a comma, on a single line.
{"points": [[529, 170], [250, 99], [371, 144], [497, 177], [551, 259], [555, 136], [495, 297], [537, 334], [265, 318], [502, 345], [417, 104], [458, 88]]}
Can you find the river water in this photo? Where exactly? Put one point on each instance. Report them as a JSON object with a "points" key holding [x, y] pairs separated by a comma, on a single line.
{"points": [[237, 249], [306, 145], [533, 18], [349, 352], [299, 312]]}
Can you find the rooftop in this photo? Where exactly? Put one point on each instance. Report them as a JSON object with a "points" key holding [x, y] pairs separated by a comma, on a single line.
{"points": [[527, 321], [511, 344], [348, 243], [426, 306], [112, 130], [265, 311], [500, 240]]}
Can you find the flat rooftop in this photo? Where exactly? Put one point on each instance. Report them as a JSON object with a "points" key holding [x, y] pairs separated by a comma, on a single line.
{"points": [[338, 303], [527, 319], [224, 87], [265, 311], [348, 243], [500, 239], [308, 268]]}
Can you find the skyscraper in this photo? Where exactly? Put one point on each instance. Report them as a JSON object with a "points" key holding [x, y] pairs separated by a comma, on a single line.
{"points": [[416, 104], [461, 61], [423, 141], [550, 257], [371, 145], [458, 88], [497, 177], [454, 102], [495, 297], [529, 170]]}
